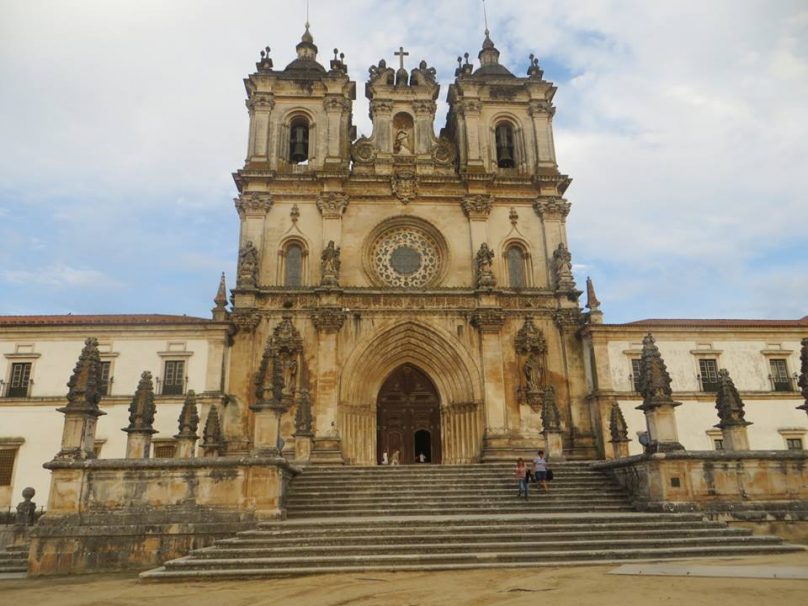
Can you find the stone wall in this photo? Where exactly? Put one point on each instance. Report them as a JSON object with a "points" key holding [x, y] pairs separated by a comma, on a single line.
{"points": [[752, 486], [134, 514]]}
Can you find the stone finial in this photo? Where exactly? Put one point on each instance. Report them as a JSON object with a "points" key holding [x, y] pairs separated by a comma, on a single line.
{"points": [[728, 402], [220, 311], [141, 409], [84, 386], [655, 382], [26, 509], [562, 268], [303, 419], [247, 266], [189, 417], [803, 380], [550, 417], [617, 424], [484, 263], [212, 435], [592, 303], [329, 265]]}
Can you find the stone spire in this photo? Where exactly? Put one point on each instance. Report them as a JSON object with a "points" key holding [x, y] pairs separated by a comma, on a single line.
{"points": [[306, 55], [82, 411], [220, 311], [489, 60], [730, 412], [189, 417], [617, 424], [803, 380], [728, 402], [657, 403], [141, 419], [592, 303], [188, 425], [212, 435], [655, 382], [141, 409], [84, 386], [619, 430]]}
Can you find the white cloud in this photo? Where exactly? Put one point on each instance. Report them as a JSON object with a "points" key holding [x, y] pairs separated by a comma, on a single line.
{"points": [[683, 123]]}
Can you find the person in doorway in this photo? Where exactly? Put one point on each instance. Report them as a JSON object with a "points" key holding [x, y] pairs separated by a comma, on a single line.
{"points": [[521, 474], [421, 457], [396, 458], [385, 460], [540, 470]]}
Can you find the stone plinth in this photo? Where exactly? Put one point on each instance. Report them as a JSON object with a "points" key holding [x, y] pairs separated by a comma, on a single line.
{"points": [[735, 437]]}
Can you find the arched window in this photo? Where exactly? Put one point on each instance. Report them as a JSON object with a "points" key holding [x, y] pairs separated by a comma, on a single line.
{"points": [[293, 274], [299, 141], [517, 276], [504, 141]]}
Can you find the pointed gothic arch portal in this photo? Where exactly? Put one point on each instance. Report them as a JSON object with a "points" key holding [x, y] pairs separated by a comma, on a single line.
{"points": [[408, 416]]}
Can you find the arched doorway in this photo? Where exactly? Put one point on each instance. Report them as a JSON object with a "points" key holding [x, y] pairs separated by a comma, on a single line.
{"points": [[408, 416]]}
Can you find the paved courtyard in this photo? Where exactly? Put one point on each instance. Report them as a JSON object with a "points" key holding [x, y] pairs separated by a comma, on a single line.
{"points": [[556, 586]]}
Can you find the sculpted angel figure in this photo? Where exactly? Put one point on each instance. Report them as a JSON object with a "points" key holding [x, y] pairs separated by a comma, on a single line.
{"points": [[248, 265]]}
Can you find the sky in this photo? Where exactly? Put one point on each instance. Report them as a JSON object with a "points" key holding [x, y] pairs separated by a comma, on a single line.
{"points": [[684, 125]]}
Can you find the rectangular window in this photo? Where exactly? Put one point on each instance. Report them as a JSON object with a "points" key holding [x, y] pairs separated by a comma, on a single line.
{"points": [[779, 375], [174, 378], [105, 368], [794, 443], [635, 373], [20, 380], [164, 450], [7, 457], [709, 374]]}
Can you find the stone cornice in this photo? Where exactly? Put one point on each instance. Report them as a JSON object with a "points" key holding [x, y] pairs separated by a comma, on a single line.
{"points": [[552, 207], [328, 319], [488, 320]]}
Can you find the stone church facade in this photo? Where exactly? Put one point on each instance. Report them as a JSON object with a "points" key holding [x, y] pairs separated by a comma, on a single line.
{"points": [[406, 294], [423, 280]]}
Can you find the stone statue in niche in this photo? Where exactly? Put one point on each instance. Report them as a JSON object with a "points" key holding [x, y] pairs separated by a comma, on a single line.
{"points": [[484, 267], [403, 144], [329, 269], [248, 265], [534, 372], [562, 268], [288, 366]]}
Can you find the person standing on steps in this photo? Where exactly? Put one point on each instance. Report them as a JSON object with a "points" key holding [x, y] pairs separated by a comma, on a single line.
{"points": [[521, 474], [540, 470]]}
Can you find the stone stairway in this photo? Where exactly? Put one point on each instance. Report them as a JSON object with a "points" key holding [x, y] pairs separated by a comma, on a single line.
{"points": [[424, 517], [14, 559]]}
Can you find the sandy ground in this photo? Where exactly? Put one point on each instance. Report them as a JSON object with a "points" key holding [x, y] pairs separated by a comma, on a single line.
{"points": [[555, 586]]}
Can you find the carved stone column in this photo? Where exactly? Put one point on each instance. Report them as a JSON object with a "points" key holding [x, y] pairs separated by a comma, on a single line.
{"points": [[553, 213], [141, 420], [477, 208], [332, 206], [327, 443], [260, 107], [489, 322], [541, 114], [82, 411], [551, 426]]}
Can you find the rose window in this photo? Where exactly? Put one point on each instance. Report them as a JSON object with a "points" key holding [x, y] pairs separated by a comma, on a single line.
{"points": [[406, 257]]}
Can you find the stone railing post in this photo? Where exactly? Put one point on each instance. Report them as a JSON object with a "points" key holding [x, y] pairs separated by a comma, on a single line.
{"points": [[731, 414], [188, 424], [141, 420]]}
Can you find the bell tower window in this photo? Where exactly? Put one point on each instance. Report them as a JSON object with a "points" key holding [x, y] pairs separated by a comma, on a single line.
{"points": [[294, 266], [299, 141], [516, 267], [504, 140]]}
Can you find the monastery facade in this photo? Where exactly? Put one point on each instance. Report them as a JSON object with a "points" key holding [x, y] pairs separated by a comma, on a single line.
{"points": [[404, 294]]}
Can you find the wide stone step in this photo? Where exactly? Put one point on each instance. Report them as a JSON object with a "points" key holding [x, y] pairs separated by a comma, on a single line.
{"points": [[536, 557], [456, 496], [501, 546], [527, 507], [469, 535]]}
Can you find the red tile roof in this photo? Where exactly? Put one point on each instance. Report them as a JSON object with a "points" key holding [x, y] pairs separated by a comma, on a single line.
{"points": [[720, 323], [104, 319]]}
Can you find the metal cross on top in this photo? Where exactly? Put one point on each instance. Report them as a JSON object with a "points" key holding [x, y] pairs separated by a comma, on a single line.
{"points": [[401, 54]]}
